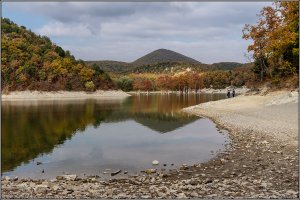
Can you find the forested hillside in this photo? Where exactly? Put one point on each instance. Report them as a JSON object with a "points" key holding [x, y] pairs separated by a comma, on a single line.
{"points": [[161, 67], [33, 62]]}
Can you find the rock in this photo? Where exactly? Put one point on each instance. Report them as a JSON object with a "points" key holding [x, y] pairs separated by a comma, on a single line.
{"points": [[208, 181], [15, 179], [181, 196], [264, 185], [115, 173], [155, 162], [55, 187], [165, 165], [40, 189], [70, 191], [39, 163], [71, 177], [161, 194], [265, 142], [194, 194], [184, 167], [150, 171], [291, 192], [7, 178], [125, 172], [145, 197], [122, 196], [109, 191], [193, 182]]}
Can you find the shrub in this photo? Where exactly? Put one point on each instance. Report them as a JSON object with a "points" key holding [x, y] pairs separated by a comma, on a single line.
{"points": [[89, 86]]}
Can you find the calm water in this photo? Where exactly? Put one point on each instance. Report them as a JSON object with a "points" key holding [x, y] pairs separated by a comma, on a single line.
{"points": [[92, 136]]}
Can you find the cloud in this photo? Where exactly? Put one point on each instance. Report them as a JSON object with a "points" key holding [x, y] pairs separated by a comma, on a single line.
{"points": [[206, 31], [60, 29]]}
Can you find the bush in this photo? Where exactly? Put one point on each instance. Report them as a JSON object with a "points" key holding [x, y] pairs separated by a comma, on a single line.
{"points": [[125, 83], [89, 86]]}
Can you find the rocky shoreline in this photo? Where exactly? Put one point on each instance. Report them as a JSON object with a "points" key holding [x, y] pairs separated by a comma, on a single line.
{"points": [[255, 165]]}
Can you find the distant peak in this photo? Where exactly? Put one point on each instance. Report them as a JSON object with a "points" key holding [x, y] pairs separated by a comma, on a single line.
{"points": [[164, 55]]}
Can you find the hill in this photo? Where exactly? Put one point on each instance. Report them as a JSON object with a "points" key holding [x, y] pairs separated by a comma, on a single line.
{"points": [[162, 56], [161, 61], [111, 66], [226, 65], [33, 62]]}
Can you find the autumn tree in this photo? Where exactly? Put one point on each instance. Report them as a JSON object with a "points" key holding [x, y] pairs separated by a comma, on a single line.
{"points": [[275, 38], [33, 62]]}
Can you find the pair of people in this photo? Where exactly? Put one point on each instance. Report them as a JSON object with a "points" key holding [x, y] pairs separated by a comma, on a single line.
{"points": [[228, 93]]}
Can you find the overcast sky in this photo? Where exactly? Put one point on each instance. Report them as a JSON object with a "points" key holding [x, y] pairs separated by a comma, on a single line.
{"points": [[206, 31]]}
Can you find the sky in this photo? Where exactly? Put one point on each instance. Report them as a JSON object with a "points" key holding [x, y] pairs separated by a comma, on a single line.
{"points": [[124, 31]]}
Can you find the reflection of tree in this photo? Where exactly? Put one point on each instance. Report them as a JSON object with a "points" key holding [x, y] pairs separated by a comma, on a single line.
{"points": [[28, 131]]}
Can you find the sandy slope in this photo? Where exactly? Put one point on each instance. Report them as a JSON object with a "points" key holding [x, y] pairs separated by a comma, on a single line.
{"points": [[274, 114], [38, 95]]}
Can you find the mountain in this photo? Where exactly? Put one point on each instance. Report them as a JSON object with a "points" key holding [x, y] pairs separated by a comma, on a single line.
{"points": [[163, 56], [33, 62], [161, 61]]}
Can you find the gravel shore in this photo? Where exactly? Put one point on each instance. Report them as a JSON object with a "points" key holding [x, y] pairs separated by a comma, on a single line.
{"points": [[261, 162], [63, 95]]}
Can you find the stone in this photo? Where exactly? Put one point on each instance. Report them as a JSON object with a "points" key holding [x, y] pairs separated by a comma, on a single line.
{"points": [[193, 182], [184, 167], [40, 189], [7, 178], [145, 197], [109, 191], [194, 194], [291, 192], [181, 196], [155, 162], [115, 173], [71, 177], [55, 187], [39, 163], [150, 171]]}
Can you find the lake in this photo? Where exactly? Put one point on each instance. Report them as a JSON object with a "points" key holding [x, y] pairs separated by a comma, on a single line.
{"points": [[43, 139]]}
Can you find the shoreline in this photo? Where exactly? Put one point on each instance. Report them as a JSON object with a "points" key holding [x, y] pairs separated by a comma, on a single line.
{"points": [[241, 90], [63, 95], [257, 164]]}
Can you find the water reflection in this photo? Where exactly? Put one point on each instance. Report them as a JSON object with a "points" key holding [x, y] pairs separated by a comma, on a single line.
{"points": [[117, 133]]}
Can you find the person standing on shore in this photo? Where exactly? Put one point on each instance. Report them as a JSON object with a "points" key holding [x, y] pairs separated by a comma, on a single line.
{"points": [[233, 92], [228, 93]]}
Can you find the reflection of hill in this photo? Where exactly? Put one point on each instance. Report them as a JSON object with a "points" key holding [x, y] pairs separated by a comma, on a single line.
{"points": [[160, 122]]}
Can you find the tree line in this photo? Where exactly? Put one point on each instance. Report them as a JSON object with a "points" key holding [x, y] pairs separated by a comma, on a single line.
{"points": [[186, 81], [33, 62]]}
